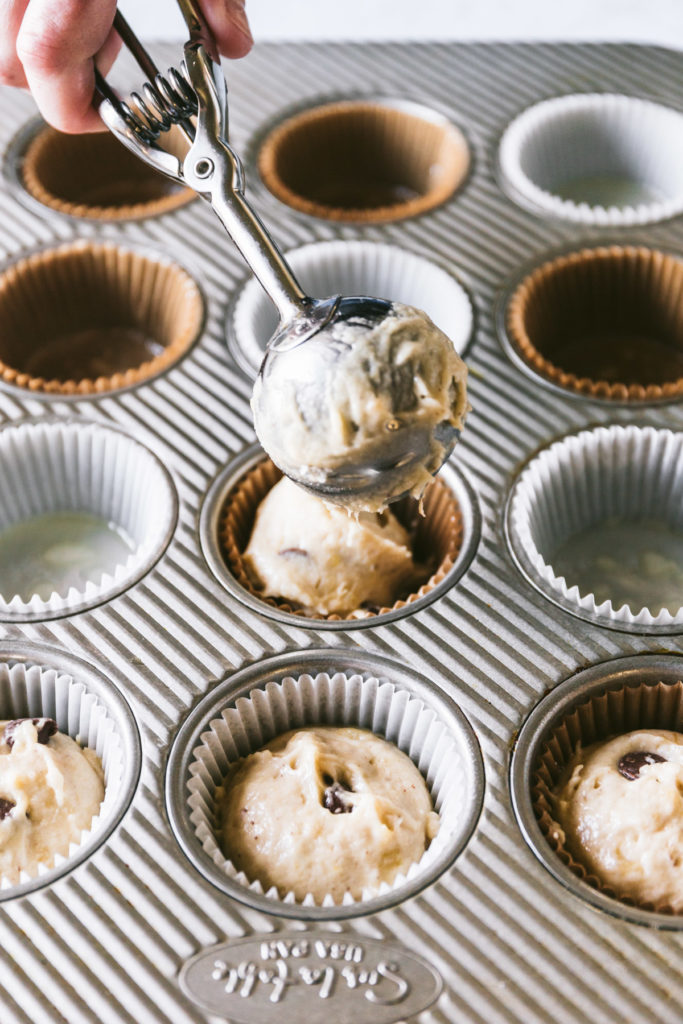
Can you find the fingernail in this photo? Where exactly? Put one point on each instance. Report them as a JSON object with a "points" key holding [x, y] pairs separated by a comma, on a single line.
{"points": [[238, 17]]}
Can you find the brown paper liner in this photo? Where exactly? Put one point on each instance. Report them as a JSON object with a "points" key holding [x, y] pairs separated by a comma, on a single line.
{"points": [[89, 317], [436, 536], [609, 714], [95, 176], [362, 161], [605, 323]]}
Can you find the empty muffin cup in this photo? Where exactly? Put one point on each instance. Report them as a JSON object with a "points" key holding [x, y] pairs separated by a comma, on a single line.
{"points": [[84, 512], [606, 323], [353, 268], [88, 317], [242, 717], [36, 682], [595, 522], [96, 177], [598, 704], [598, 159], [364, 160], [443, 541]]}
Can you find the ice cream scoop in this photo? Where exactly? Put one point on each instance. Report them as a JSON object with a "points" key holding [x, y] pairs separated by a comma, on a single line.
{"points": [[325, 351]]}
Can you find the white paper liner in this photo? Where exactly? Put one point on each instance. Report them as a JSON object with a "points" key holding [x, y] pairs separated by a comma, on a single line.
{"points": [[340, 700], [627, 472], [34, 691], [597, 136], [84, 467], [356, 268]]}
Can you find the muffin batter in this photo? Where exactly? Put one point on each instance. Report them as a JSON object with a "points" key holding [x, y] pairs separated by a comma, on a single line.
{"points": [[325, 811], [393, 393], [620, 814], [50, 790], [322, 559]]}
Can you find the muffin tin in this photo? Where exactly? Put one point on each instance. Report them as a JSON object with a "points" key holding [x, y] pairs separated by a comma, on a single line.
{"points": [[132, 931]]}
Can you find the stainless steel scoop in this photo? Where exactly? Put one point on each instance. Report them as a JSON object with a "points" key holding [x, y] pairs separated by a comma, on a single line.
{"points": [[304, 347]]}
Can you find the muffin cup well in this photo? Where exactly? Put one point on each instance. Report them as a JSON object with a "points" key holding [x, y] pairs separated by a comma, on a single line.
{"points": [[596, 158], [368, 161], [608, 474], [90, 317], [37, 682], [51, 466], [94, 176], [603, 701], [262, 702], [605, 323], [355, 267], [447, 537]]}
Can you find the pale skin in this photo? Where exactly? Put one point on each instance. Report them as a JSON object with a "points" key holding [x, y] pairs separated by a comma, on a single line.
{"points": [[52, 46]]}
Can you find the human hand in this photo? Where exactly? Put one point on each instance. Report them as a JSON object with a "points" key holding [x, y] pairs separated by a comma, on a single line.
{"points": [[51, 47]]}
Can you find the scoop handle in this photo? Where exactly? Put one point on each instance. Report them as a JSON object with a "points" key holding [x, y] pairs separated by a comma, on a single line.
{"points": [[197, 27], [213, 169]]}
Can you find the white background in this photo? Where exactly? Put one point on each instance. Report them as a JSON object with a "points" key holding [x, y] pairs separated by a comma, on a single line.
{"points": [[640, 21]]}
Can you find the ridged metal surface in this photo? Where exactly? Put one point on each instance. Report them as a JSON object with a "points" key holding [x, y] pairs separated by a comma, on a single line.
{"points": [[106, 942]]}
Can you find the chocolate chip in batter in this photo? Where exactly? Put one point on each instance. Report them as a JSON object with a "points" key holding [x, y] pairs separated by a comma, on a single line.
{"points": [[334, 800], [630, 764], [6, 807], [46, 727]]}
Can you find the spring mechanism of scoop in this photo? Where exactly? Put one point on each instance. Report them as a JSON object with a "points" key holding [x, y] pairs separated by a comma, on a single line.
{"points": [[160, 104], [161, 101]]}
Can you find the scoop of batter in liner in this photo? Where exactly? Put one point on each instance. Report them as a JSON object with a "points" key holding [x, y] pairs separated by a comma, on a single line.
{"points": [[619, 812], [325, 811], [325, 561], [50, 791]]}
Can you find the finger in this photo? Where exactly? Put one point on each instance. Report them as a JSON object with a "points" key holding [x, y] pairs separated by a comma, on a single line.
{"points": [[57, 43], [228, 21], [105, 58], [104, 61], [11, 15]]}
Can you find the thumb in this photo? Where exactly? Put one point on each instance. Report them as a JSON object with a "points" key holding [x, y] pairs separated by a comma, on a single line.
{"points": [[227, 20]]}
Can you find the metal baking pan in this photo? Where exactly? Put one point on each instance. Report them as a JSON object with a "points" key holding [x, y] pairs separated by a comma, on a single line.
{"points": [[128, 935]]}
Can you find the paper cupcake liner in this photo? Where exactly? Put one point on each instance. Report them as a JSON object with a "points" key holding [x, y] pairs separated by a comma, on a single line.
{"points": [[95, 177], [353, 268], [88, 317], [605, 323], [627, 473], [35, 691], [60, 466], [437, 536], [366, 161], [599, 159], [602, 716], [343, 700]]}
